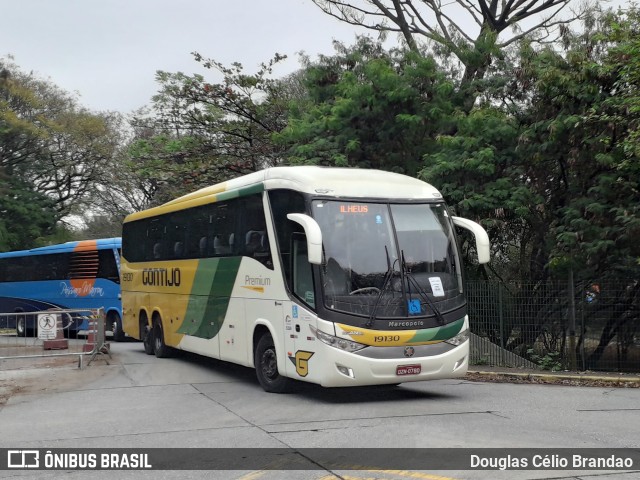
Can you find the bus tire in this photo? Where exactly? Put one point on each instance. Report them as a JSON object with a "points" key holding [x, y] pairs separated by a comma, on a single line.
{"points": [[21, 326], [115, 322], [266, 363], [146, 335], [161, 349]]}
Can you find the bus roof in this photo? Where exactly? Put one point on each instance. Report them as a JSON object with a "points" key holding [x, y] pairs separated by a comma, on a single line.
{"points": [[325, 181], [74, 246]]}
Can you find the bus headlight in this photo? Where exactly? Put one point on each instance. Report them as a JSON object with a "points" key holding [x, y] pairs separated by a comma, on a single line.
{"points": [[459, 339], [336, 342]]}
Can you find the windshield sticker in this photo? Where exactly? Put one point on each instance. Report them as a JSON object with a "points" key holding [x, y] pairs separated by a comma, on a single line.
{"points": [[379, 219], [414, 307], [436, 286]]}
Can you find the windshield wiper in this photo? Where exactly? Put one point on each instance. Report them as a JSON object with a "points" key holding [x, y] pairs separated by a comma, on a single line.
{"points": [[421, 291], [385, 284]]}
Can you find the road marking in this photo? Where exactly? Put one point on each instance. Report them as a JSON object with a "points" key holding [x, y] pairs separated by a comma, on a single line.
{"points": [[401, 473]]}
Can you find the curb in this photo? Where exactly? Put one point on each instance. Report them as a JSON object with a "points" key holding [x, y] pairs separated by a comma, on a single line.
{"points": [[550, 377]]}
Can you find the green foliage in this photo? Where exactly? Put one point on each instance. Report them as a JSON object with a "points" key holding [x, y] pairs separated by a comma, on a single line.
{"points": [[553, 173], [583, 119], [26, 217], [368, 108], [479, 171], [50, 144], [548, 361], [199, 133]]}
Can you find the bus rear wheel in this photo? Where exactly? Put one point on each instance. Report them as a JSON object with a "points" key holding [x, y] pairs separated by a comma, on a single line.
{"points": [[146, 334], [266, 363], [21, 326], [161, 349]]}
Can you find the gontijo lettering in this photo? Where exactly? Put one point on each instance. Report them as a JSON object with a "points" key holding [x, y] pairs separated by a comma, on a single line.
{"points": [[161, 277]]}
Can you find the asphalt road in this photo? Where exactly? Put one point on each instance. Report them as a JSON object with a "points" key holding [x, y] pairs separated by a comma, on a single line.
{"points": [[139, 401]]}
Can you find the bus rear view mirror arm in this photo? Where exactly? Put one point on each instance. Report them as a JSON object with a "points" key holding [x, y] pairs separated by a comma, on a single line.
{"points": [[482, 239], [314, 236]]}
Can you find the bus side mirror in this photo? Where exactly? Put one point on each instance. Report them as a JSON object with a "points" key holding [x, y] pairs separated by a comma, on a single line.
{"points": [[482, 239], [313, 234]]}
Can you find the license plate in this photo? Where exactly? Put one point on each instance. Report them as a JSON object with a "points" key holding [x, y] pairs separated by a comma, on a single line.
{"points": [[408, 369]]}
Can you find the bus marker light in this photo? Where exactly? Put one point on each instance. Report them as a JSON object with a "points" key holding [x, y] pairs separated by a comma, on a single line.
{"points": [[345, 371]]}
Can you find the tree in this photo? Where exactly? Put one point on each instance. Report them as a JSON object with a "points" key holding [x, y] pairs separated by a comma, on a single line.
{"points": [[25, 216], [51, 144], [485, 29], [557, 157], [480, 172], [368, 108], [198, 133], [554, 175]]}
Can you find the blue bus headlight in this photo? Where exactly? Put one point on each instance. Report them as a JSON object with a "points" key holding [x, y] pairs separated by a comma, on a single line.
{"points": [[336, 342], [459, 339]]}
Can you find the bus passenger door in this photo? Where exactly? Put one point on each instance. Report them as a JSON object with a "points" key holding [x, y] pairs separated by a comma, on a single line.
{"points": [[299, 339]]}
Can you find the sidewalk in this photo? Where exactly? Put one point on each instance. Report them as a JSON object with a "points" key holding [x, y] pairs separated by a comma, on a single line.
{"points": [[504, 374]]}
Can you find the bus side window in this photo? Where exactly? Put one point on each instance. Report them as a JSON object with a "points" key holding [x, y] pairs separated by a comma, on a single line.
{"points": [[284, 202], [254, 242], [301, 270], [221, 245], [178, 250], [203, 247], [158, 251], [107, 266]]}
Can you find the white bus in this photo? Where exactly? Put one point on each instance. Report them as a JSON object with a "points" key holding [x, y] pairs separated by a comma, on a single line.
{"points": [[340, 277]]}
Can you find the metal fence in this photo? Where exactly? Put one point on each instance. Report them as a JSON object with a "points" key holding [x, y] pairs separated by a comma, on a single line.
{"points": [[561, 325], [40, 338]]}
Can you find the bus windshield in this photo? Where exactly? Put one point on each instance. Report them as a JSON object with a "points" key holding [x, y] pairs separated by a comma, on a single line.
{"points": [[388, 260]]}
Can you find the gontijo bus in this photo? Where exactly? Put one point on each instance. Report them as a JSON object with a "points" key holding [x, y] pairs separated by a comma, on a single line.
{"points": [[74, 275], [340, 277]]}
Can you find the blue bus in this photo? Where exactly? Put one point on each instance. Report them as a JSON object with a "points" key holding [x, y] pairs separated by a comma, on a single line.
{"points": [[73, 275]]}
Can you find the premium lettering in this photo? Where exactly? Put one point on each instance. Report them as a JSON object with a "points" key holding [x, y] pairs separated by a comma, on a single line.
{"points": [[257, 281]]}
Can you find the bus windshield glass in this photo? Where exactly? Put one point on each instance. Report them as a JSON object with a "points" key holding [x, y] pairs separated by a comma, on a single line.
{"points": [[388, 260]]}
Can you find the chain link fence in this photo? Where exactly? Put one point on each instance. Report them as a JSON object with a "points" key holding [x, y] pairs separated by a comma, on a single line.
{"points": [[586, 325]]}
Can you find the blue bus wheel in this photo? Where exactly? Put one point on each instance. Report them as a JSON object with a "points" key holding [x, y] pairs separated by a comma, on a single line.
{"points": [[21, 326], [114, 322]]}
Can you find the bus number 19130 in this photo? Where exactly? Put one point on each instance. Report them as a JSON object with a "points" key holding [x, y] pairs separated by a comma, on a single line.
{"points": [[386, 338]]}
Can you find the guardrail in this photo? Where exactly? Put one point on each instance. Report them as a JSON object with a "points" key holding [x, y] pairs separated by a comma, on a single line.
{"points": [[47, 335]]}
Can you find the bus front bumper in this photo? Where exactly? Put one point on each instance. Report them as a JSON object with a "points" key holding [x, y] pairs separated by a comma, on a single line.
{"points": [[345, 369]]}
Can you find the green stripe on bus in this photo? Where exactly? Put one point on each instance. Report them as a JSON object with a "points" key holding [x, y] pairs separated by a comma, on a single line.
{"points": [[211, 292], [241, 192], [439, 333]]}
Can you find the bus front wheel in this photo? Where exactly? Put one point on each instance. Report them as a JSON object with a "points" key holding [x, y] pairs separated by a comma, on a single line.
{"points": [[266, 362]]}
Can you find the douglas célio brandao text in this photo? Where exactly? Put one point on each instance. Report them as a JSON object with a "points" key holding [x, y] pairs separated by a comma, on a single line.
{"points": [[551, 462]]}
